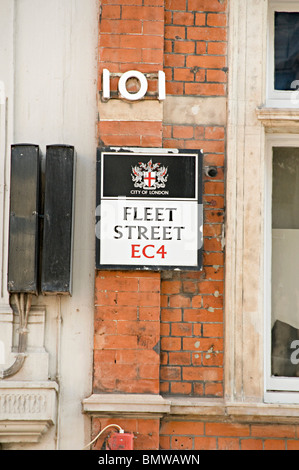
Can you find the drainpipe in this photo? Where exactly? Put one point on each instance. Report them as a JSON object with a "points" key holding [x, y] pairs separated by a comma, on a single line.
{"points": [[23, 305]]}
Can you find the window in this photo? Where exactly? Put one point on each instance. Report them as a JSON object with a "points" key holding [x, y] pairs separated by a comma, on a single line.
{"points": [[281, 297], [283, 55], [282, 261]]}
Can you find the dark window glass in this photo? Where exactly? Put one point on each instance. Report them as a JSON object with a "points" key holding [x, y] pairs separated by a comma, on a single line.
{"points": [[286, 46]]}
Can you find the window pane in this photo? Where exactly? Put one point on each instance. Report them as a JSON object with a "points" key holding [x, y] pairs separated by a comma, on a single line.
{"points": [[286, 50], [285, 262]]}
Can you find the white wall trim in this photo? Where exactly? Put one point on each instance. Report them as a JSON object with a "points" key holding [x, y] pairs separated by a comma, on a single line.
{"points": [[27, 410], [244, 329], [51, 89]]}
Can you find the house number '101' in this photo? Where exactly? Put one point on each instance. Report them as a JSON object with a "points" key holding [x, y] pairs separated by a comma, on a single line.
{"points": [[122, 85]]}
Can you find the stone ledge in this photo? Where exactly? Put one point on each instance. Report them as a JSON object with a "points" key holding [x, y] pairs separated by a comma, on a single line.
{"points": [[279, 119], [134, 406], [238, 412], [22, 431], [27, 410], [130, 404]]}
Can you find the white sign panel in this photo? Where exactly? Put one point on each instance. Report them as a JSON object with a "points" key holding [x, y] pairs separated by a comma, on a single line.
{"points": [[149, 209]]}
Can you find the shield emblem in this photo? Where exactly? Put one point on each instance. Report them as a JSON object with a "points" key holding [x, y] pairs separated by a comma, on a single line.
{"points": [[149, 178]]}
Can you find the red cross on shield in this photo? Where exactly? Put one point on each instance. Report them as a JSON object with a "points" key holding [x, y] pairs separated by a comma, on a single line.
{"points": [[149, 178]]}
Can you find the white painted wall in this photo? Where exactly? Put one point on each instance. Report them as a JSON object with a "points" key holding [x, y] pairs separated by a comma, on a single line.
{"points": [[48, 66]]}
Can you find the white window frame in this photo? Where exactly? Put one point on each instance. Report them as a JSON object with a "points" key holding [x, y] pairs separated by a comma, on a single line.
{"points": [[278, 98], [273, 385]]}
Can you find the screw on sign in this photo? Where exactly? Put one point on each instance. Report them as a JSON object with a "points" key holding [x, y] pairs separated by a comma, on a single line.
{"points": [[120, 441]]}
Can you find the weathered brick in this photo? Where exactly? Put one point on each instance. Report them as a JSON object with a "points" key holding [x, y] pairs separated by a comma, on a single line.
{"points": [[184, 47], [182, 428], [216, 19], [206, 89], [170, 373], [115, 313], [213, 330], [205, 443], [213, 389], [274, 444], [179, 358], [251, 444], [179, 301], [181, 329], [202, 344], [121, 26], [279, 431], [183, 18], [153, 27], [218, 48], [181, 442], [174, 60], [111, 11], [214, 133], [227, 429], [170, 344], [228, 443], [189, 287], [181, 388], [135, 12], [206, 61], [183, 132], [203, 373], [175, 5], [206, 5], [174, 88], [202, 315], [206, 34], [175, 32], [292, 444]]}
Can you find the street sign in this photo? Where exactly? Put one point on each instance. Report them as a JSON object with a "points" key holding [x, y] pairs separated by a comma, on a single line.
{"points": [[149, 211]]}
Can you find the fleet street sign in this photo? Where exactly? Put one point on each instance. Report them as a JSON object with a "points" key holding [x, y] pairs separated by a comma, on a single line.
{"points": [[149, 212]]}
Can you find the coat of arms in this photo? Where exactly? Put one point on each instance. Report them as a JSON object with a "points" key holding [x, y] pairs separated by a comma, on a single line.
{"points": [[149, 175]]}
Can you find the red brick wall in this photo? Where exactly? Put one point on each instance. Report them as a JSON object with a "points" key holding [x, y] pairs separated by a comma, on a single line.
{"points": [[195, 47], [203, 435], [127, 318], [129, 306], [228, 436], [127, 332], [184, 310], [192, 303], [131, 38]]}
